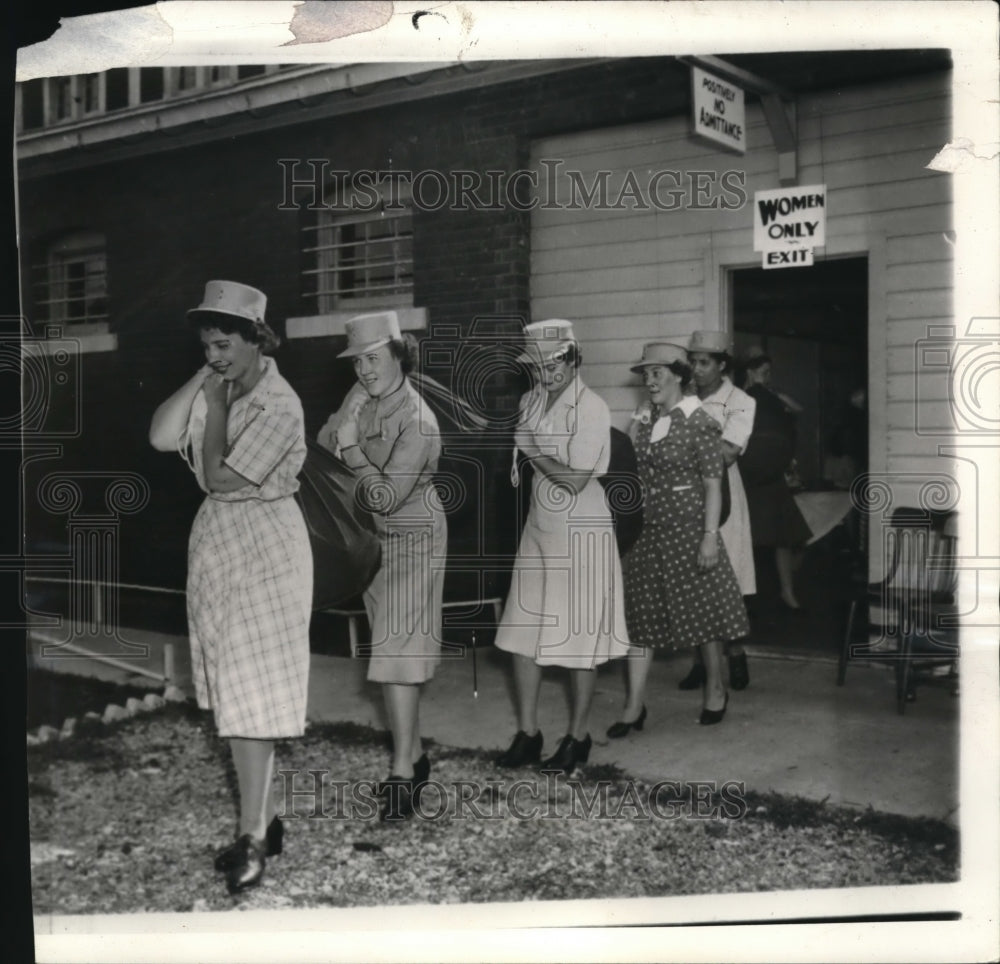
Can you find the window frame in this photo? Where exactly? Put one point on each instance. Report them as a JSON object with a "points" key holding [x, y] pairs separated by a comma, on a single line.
{"points": [[53, 297], [323, 238]]}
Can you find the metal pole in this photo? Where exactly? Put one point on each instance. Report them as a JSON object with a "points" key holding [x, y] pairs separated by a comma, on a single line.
{"points": [[168, 663], [475, 679], [108, 660]]}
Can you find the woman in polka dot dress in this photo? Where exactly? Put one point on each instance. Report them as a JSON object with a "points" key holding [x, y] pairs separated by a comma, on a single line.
{"points": [[680, 588]]}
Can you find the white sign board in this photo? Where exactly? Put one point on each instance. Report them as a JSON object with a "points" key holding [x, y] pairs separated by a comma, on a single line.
{"points": [[792, 258], [719, 110], [789, 217]]}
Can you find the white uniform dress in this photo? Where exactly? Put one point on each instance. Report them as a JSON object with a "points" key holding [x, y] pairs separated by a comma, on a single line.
{"points": [[566, 601], [734, 410], [250, 573]]}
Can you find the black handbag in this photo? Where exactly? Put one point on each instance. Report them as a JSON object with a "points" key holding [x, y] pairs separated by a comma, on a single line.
{"points": [[346, 549]]}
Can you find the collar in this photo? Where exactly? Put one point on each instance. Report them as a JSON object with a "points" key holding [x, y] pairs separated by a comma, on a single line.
{"points": [[263, 386], [570, 395], [389, 404], [721, 394], [687, 406]]}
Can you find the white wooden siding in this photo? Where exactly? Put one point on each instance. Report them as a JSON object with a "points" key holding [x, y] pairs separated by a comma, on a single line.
{"points": [[626, 276]]}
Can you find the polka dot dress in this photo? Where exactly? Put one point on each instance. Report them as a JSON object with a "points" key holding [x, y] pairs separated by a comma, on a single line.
{"points": [[669, 601]]}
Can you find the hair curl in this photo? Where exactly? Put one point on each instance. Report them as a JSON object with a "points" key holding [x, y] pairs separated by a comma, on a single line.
{"points": [[571, 354], [682, 370], [258, 333], [406, 351]]}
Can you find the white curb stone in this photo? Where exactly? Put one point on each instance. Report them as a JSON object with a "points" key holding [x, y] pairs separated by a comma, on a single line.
{"points": [[114, 712]]}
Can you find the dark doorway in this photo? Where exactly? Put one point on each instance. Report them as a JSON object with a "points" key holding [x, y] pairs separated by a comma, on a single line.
{"points": [[813, 323]]}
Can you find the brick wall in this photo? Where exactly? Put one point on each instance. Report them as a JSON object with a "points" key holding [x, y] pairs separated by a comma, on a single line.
{"points": [[177, 217]]}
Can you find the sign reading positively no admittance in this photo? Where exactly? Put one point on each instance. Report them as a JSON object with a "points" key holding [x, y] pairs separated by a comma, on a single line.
{"points": [[789, 218], [719, 111]]}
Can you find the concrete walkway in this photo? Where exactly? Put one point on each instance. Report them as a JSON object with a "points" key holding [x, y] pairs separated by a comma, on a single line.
{"points": [[793, 730]]}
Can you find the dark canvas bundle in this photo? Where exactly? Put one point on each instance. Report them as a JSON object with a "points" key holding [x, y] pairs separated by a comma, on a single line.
{"points": [[727, 498], [623, 491], [346, 550], [771, 446]]}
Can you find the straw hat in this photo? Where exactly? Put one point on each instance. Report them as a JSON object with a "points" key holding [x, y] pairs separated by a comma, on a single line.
{"points": [[660, 353], [710, 341], [365, 332]]}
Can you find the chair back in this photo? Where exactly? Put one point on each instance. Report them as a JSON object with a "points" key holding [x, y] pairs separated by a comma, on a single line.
{"points": [[921, 579]]}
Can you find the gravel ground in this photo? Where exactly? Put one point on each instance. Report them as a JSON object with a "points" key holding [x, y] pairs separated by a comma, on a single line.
{"points": [[126, 819]]}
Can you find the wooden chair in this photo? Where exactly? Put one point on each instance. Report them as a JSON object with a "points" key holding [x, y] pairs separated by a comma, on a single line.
{"points": [[916, 597]]}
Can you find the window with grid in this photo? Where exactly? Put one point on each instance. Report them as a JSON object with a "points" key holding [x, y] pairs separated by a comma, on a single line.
{"points": [[71, 283], [360, 253]]}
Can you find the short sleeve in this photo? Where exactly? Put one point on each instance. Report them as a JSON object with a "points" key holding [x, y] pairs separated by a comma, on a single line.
{"points": [[739, 416], [708, 448], [589, 445], [263, 443]]}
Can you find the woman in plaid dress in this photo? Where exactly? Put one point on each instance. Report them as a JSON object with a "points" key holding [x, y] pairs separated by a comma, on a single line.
{"points": [[249, 590]]}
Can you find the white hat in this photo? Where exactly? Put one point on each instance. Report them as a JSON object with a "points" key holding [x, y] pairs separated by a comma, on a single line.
{"points": [[544, 339], [365, 332], [233, 298]]}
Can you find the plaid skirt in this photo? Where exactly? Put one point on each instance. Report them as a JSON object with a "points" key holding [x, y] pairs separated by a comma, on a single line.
{"points": [[249, 600]]}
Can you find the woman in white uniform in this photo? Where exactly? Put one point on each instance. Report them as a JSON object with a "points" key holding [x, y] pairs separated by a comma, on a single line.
{"points": [[566, 603], [733, 409]]}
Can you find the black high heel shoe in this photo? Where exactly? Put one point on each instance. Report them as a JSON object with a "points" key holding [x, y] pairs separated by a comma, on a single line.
{"points": [[710, 717], [617, 730], [570, 754], [739, 672], [523, 750], [421, 774], [229, 856], [248, 868], [694, 679], [398, 803]]}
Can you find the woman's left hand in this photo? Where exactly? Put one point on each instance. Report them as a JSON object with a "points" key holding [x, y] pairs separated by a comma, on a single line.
{"points": [[708, 551], [216, 390]]}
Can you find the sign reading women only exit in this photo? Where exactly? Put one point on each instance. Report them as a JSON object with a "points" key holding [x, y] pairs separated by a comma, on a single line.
{"points": [[788, 223]]}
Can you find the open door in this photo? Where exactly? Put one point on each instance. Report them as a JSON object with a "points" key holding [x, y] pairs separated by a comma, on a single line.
{"points": [[813, 323]]}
